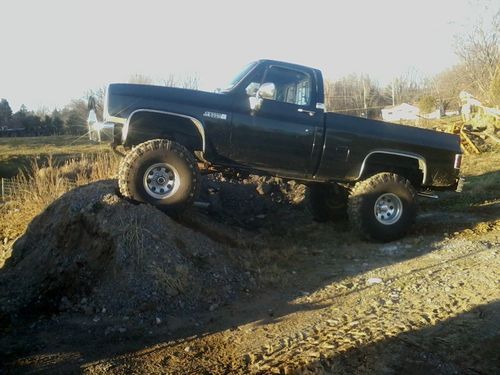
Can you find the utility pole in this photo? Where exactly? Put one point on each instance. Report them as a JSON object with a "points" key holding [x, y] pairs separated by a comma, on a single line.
{"points": [[392, 88], [364, 98]]}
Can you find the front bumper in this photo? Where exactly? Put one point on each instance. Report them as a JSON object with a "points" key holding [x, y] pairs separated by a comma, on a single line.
{"points": [[100, 131]]}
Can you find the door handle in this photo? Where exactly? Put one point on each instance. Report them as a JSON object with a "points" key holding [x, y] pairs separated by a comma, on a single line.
{"points": [[302, 110]]}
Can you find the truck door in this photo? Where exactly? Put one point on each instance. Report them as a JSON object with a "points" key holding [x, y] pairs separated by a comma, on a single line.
{"points": [[280, 135]]}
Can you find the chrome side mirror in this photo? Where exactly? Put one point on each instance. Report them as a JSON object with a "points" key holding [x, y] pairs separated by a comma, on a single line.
{"points": [[252, 88], [266, 91]]}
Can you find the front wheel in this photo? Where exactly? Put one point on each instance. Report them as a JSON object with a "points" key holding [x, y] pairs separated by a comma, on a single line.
{"points": [[382, 207], [160, 172]]}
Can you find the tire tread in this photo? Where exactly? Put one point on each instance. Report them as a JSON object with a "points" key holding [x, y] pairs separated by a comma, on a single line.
{"points": [[361, 189]]}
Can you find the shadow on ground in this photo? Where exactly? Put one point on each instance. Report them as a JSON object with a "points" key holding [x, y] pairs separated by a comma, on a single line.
{"points": [[96, 277], [466, 344]]}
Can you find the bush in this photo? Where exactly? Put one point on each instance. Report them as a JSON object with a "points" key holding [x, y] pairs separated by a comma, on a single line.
{"points": [[427, 104]]}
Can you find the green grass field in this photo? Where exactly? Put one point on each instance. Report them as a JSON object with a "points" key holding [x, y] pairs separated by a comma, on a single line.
{"points": [[18, 153]]}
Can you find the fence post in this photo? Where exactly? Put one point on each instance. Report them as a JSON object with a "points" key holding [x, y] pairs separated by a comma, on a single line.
{"points": [[3, 190]]}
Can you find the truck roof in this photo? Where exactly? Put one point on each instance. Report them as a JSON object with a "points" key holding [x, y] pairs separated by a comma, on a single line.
{"points": [[287, 63]]}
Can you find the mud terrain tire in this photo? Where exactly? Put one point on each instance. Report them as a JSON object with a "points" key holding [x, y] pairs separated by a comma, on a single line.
{"points": [[382, 207], [160, 172], [327, 202]]}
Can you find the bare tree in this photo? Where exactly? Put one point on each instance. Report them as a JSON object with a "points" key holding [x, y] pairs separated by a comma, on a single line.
{"points": [[406, 88], [187, 82], [447, 85], [479, 51], [356, 95], [141, 79]]}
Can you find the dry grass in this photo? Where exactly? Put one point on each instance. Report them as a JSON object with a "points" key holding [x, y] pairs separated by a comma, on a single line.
{"points": [[39, 185], [51, 145], [18, 153], [482, 182]]}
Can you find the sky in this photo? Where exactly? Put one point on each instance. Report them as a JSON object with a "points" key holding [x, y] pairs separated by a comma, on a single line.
{"points": [[54, 51]]}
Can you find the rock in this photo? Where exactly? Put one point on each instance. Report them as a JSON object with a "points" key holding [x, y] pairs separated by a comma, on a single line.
{"points": [[213, 307], [122, 329], [88, 310], [263, 189], [158, 320], [373, 280], [187, 349], [389, 249]]}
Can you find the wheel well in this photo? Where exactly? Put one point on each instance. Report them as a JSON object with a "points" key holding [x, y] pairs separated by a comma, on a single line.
{"points": [[408, 167], [145, 125]]}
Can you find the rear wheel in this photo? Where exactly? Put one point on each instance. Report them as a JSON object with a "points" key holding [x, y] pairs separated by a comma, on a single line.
{"points": [[327, 202], [160, 172], [382, 207]]}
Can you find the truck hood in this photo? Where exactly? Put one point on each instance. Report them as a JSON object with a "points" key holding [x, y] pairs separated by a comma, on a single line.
{"points": [[124, 98]]}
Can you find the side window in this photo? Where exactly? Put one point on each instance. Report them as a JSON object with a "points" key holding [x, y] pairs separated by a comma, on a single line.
{"points": [[292, 86]]}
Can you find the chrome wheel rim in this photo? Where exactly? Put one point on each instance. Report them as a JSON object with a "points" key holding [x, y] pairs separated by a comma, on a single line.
{"points": [[161, 180], [388, 208]]}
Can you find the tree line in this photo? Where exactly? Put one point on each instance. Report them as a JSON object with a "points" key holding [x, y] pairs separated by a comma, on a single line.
{"points": [[72, 119]]}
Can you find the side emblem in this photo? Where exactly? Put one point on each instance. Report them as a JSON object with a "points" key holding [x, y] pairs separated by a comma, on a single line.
{"points": [[220, 116]]}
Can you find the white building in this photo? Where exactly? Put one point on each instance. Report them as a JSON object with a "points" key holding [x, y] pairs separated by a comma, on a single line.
{"points": [[407, 111], [399, 112]]}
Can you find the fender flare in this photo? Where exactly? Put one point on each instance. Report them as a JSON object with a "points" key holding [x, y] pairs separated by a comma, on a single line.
{"points": [[197, 123], [421, 161]]}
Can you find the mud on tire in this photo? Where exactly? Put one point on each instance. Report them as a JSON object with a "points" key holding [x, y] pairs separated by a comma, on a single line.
{"points": [[160, 172], [327, 202], [382, 207]]}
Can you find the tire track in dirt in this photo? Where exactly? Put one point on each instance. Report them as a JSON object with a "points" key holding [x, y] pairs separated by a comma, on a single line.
{"points": [[404, 303], [349, 315]]}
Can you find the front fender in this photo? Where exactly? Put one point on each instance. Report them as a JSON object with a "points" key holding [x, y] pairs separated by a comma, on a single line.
{"points": [[145, 124]]}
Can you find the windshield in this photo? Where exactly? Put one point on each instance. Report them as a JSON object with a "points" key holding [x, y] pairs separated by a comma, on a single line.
{"points": [[239, 76]]}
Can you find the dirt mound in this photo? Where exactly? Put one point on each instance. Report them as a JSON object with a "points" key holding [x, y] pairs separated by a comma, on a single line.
{"points": [[91, 251], [254, 202]]}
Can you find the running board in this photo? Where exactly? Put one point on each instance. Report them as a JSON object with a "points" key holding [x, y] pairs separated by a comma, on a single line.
{"points": [[428, 195]]}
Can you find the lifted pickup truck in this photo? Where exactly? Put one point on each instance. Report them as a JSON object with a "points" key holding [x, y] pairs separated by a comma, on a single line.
{"points": [[271, 120]]}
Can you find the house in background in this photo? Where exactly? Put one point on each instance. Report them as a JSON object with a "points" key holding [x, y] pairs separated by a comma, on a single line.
{"points": [[407, 111], [399, 112]]}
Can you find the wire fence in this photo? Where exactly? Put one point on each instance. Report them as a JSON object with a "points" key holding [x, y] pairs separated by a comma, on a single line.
{"points": [[7, 188]]}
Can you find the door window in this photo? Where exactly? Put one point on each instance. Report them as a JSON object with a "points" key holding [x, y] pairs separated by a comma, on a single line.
{"points": [[292, 86]]}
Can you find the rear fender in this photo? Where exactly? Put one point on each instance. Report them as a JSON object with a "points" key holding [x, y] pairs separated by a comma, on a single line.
{"points": [[379, 156]]}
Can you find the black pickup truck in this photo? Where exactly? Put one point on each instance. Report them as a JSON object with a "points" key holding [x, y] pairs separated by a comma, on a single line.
{"points": [[271, 120]]}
